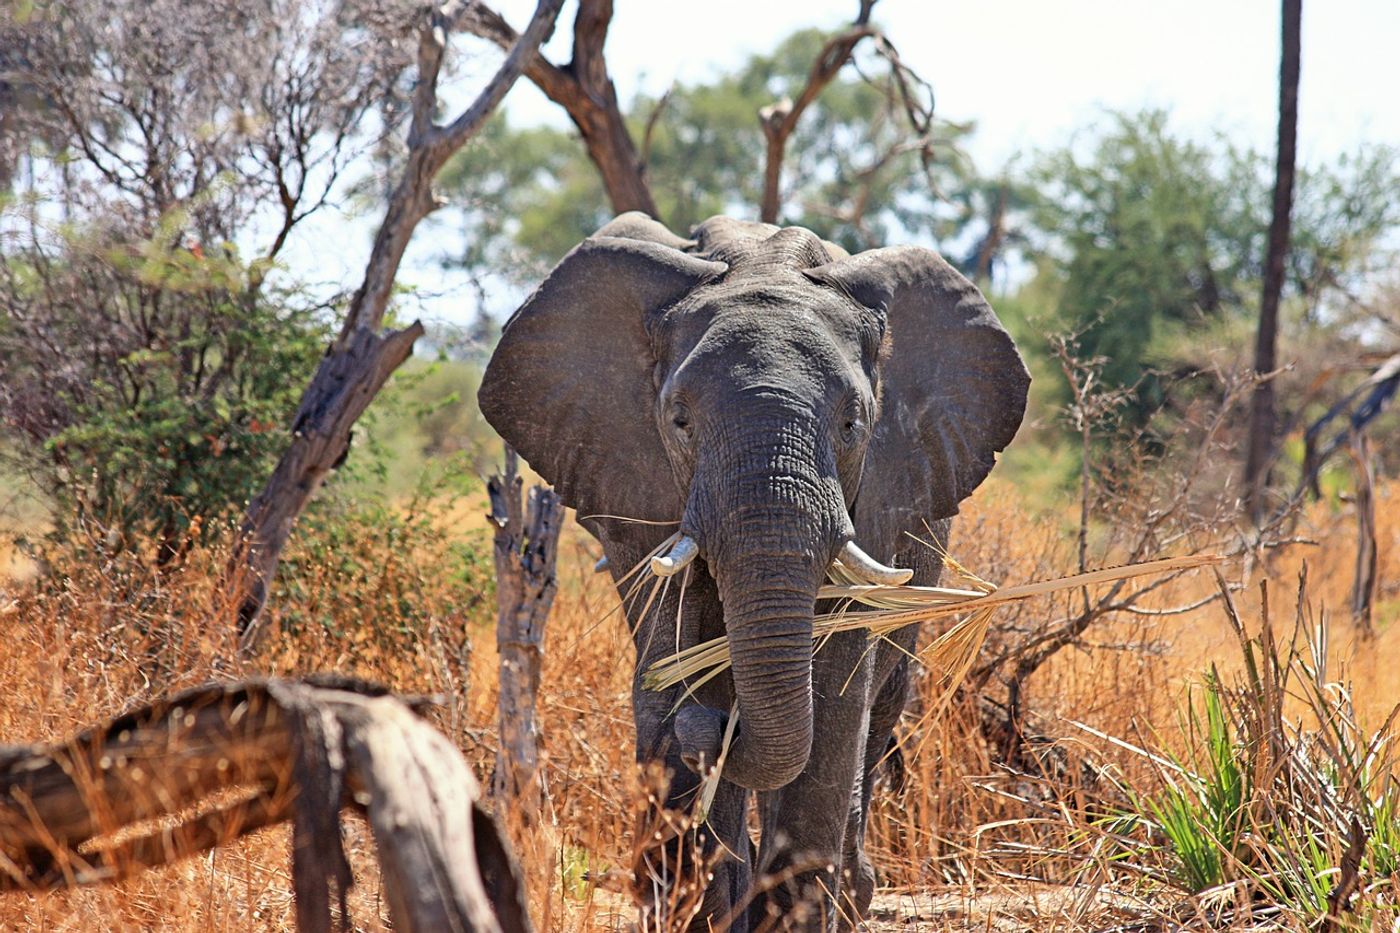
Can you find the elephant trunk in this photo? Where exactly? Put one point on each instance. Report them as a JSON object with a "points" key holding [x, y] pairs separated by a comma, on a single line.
{"points": [[769, 535], [770, 643]]}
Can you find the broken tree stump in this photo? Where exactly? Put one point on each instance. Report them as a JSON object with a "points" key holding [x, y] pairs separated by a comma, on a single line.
{"points": [[206, 766], [526, 553]]}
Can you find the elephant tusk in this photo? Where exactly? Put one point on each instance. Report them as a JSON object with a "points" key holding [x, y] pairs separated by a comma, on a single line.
{"points": [[675, 560], [869, 569]]}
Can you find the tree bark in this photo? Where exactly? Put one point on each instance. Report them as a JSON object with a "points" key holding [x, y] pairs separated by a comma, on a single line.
{"points": [[1262, 414], [526, 553], [299, 751], [586, 92], [363, 357]]}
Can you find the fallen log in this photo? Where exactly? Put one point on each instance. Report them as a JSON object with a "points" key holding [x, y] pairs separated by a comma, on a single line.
{"points": [[206, 766]]}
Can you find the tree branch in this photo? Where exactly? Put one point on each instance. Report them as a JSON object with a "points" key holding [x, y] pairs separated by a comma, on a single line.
{"points": [[779, 119], [585, 91], [430, 146], [652, 119]]}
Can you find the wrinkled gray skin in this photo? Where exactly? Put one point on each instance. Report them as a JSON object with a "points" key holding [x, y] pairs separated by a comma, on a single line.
{"points": [[777, 397]]}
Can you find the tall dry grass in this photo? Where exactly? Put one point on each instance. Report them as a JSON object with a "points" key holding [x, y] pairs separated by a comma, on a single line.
{"points": [[959, 836]]}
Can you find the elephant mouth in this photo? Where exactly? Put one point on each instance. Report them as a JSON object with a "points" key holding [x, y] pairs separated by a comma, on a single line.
{"points": [[854, 561]]}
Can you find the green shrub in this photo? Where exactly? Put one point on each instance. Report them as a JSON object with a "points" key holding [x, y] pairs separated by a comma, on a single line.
{"points": [[148, 387]]}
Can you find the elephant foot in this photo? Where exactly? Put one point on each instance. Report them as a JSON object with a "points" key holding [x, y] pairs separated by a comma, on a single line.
{"points": [[857, 891], [700, 733], [799, 893]]}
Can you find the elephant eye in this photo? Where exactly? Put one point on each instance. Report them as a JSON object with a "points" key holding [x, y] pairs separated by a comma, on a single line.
{"points": [[680, 419], [852, 423]]}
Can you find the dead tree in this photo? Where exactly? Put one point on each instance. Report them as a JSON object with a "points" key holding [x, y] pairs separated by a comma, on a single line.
{"points": [[526, 552], [586, 92], [364, 355], [780, 119], [197, 770]]}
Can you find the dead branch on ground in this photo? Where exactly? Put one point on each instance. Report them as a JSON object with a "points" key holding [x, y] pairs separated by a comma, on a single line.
{"points": [[211, 764]]}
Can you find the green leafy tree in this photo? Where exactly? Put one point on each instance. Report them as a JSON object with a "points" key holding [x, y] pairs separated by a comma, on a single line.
{"points": [[148, 385], [1153, 236], [148, 365], [1148, 231]]}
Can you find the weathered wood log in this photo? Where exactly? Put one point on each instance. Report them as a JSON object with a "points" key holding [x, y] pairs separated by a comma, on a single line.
{"points": [[526, 553], [185, 774]]}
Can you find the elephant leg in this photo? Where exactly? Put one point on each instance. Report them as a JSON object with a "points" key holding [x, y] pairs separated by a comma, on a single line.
{"points": [[730, 861], [804, 824], [668, 872], [890, 688], [858, 875], [717, 855]]}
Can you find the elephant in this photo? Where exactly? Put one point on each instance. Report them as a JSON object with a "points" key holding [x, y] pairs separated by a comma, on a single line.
{"points": [[784, 405]]}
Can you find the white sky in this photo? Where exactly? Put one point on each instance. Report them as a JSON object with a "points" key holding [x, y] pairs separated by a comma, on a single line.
{"points": [[1028, 72]]}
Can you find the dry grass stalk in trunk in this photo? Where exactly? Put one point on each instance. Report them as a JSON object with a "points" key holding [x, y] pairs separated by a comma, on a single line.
{"points": [[890, 608], [893, 607]]}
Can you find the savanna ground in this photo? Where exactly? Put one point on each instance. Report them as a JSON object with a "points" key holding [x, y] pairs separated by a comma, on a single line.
{"points": [[965, 842]]}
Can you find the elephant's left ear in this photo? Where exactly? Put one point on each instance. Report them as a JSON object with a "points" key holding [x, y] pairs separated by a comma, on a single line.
{"points": [[954, 387]]}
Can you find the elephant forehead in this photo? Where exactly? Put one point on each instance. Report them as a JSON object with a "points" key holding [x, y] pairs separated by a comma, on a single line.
{"points": [[772, 344], [785, 301]]}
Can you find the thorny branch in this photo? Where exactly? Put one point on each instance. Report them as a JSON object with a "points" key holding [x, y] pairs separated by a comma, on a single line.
{"points": [[1141, 519]]}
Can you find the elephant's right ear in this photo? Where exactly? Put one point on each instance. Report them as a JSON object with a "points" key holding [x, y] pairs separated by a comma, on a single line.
{"points": [[570, 384]]}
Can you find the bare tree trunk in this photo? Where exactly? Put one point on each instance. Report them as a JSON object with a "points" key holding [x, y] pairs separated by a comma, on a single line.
{"points": [[990, 247], [526, 553], [586, 92], [215, 763], [1262, 415], [1364, 586], [363, 357]]}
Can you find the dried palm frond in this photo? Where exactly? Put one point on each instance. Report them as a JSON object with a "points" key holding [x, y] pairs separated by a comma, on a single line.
{"points": [[890, 608]]}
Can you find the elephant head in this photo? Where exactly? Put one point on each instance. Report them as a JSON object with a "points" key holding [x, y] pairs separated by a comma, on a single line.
{"points": [[774, 396]]}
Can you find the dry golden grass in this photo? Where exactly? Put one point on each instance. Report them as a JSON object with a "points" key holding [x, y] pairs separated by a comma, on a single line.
{"points": [[78, 653]]}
